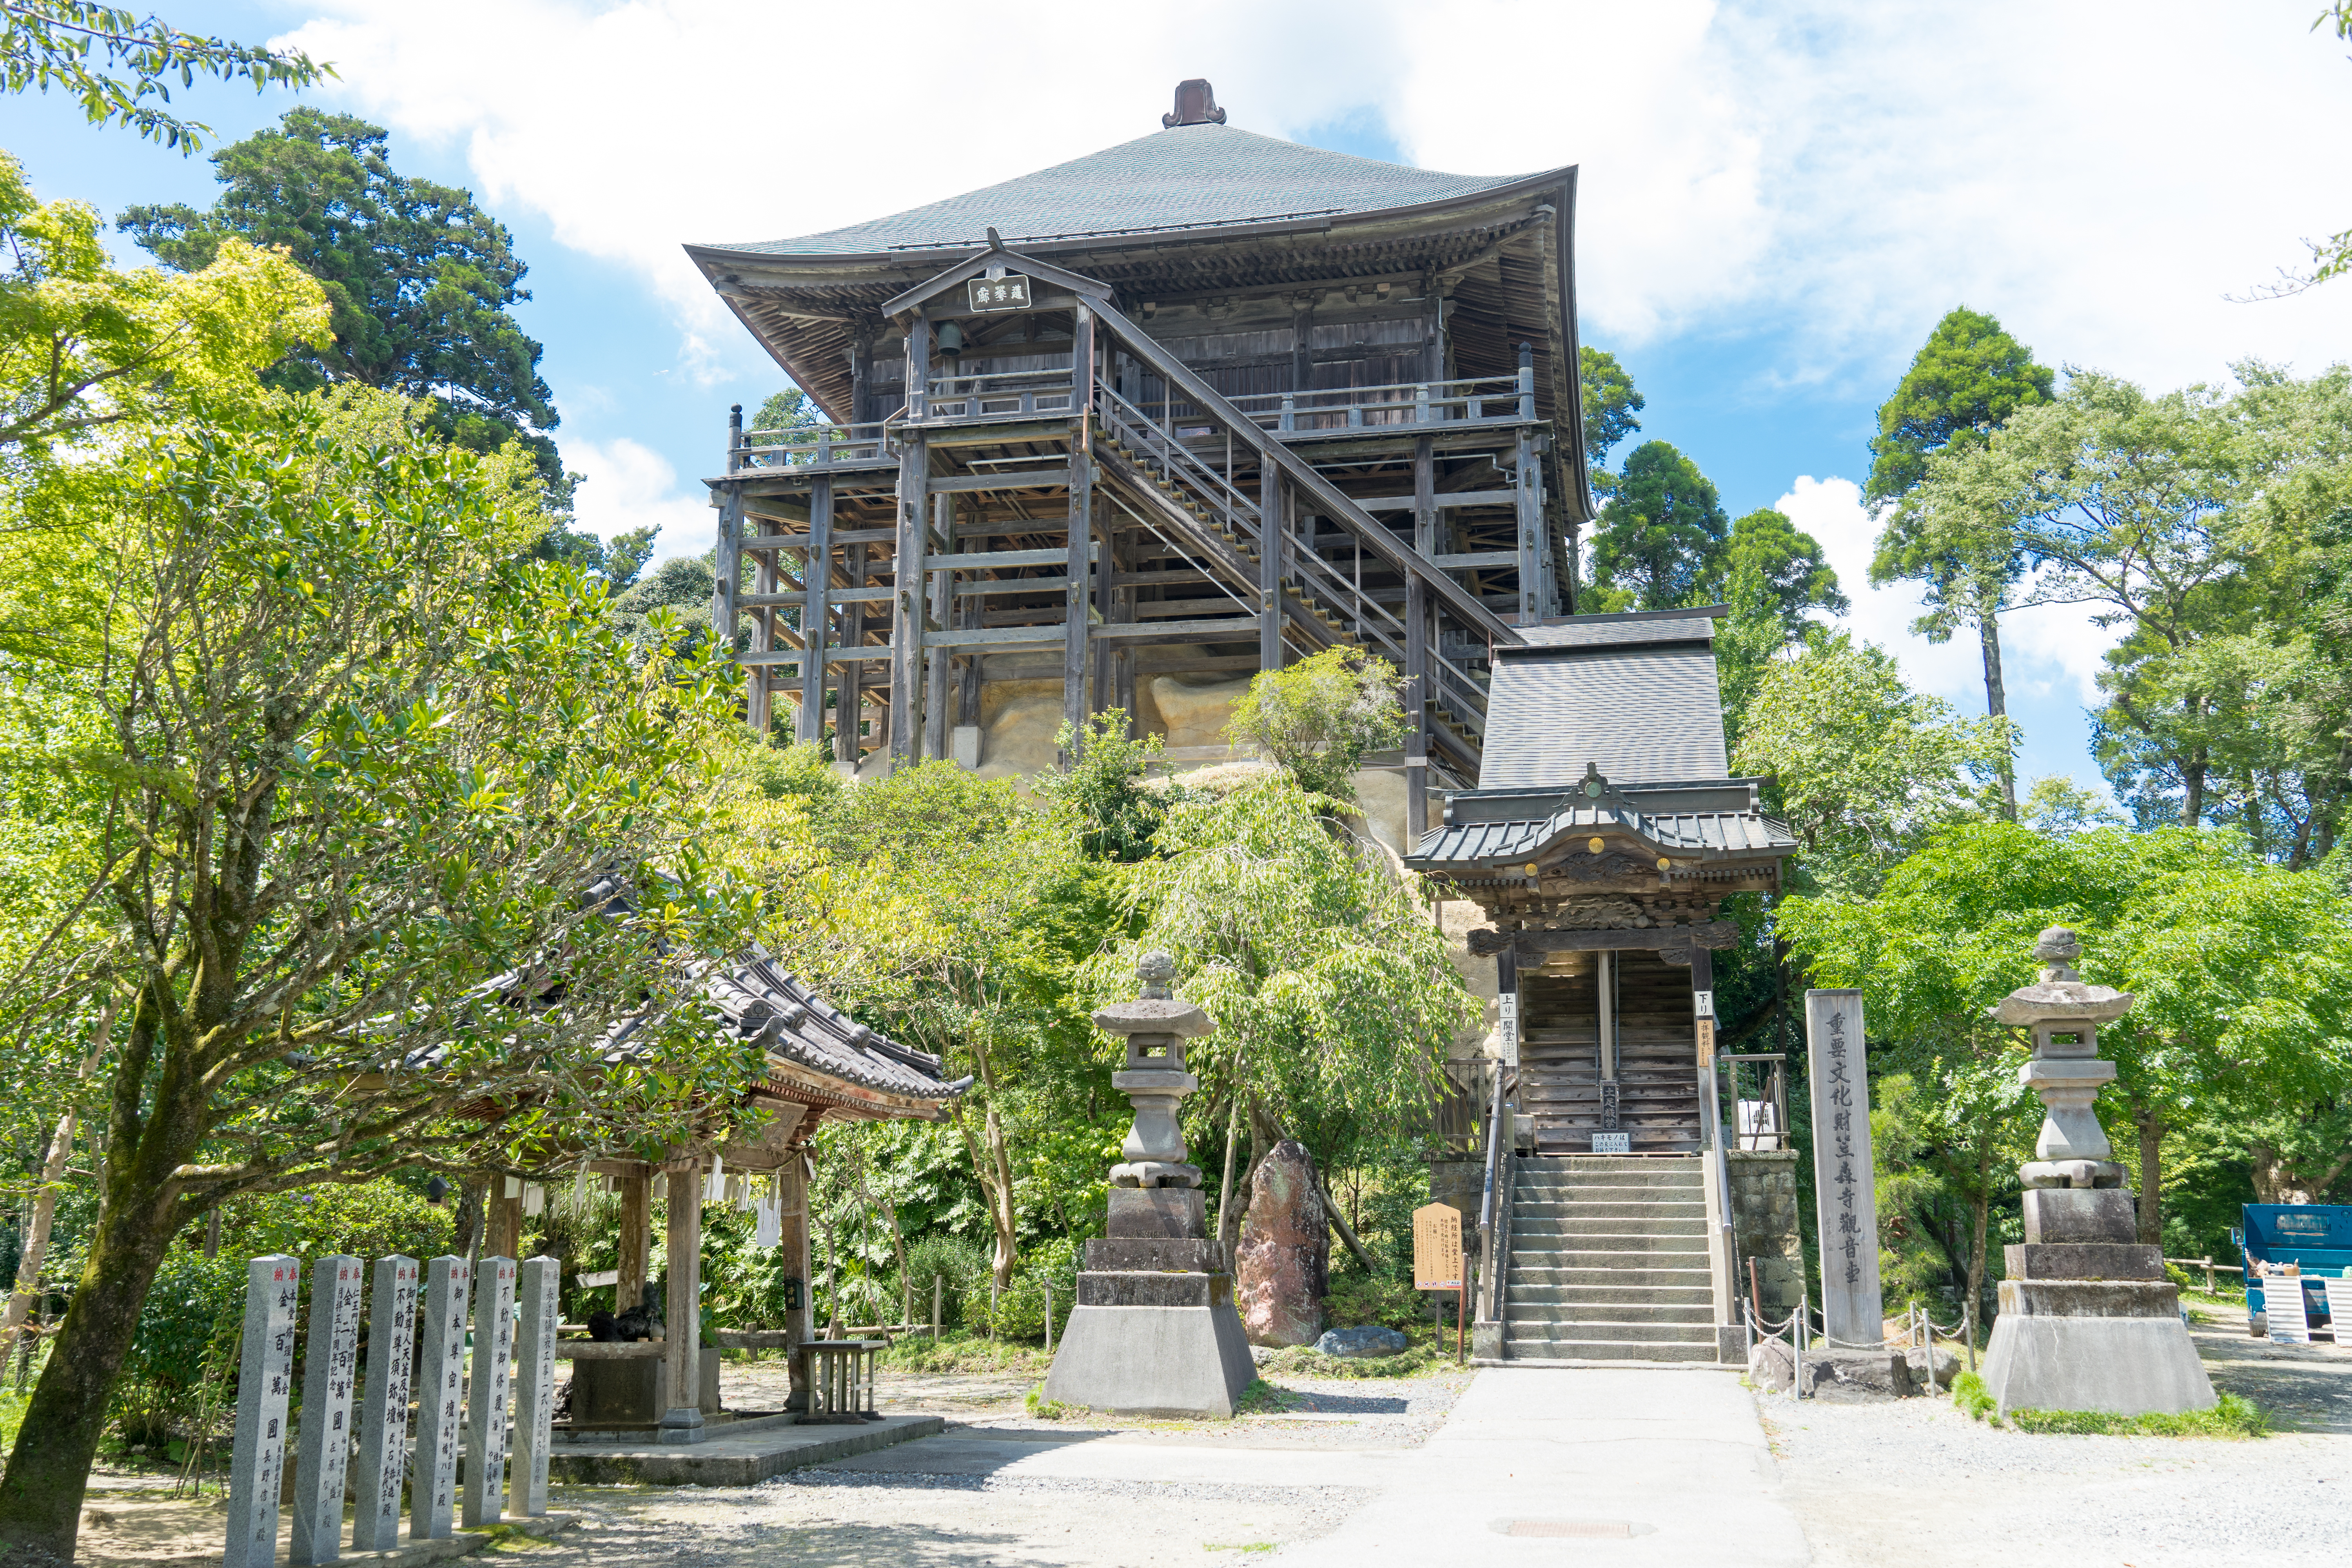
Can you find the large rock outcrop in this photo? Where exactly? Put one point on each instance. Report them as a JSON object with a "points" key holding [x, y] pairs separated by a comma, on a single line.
{"points": [[1282, 1266]]}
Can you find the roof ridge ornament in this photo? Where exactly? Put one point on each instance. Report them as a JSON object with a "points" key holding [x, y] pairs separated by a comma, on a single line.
{"points": [[1196, 105]]}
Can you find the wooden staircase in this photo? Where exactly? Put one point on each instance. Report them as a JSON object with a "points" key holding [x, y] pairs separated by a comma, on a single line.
{"points": [[1609, 1261], [1656, 1082]]}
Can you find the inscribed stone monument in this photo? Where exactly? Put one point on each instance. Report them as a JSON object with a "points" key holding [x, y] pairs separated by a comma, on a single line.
{"points": [[384, 1423], [328, 1368], [265, 1383], [1845, 1196], [440, 1387], [485, 1390]]}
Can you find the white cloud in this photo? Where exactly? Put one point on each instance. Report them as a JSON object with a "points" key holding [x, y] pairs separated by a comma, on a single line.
{"points": [[2050, 654], [1838, 174], [627, 485]]}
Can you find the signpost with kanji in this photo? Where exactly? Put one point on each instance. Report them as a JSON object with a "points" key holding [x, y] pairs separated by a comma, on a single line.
{"points": [[1843, 1185], [1437, 1257], [330, 1366], [1010, 292], [264, 1384], [440, 1385]]}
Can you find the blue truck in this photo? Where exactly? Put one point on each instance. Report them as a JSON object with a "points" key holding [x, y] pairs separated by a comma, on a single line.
{"points": [[2316, 1236]]}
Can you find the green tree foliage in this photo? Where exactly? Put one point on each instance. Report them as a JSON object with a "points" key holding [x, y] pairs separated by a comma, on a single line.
{"points": [[1334, 1002], [2239, 968], [1862, 767], [1106, 784], [420, 279], [1611, 401], [1661, 536], [1790, 563], [2205, 524], [1319, 717], [84, 344], [1968, 378], [2055, 804], [361, 759], [121, 67]]}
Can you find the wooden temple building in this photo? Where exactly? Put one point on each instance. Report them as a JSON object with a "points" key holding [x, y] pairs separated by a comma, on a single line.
{"points": [[821, 1065], [1601, 839], [1197, 404], [1203, 403]]}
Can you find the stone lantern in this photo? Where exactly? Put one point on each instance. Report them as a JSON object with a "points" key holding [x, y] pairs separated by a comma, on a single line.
{"points": [[2088, 1321], [1154, 1329]]}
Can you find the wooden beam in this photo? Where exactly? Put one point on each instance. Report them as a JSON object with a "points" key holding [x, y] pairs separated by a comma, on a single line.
{"points": [[1022, 480], [803, 541], [1655, 939]]}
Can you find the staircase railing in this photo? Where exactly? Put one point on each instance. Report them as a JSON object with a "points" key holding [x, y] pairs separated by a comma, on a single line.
{"points": [[1328, 499], [1491, 1221]]}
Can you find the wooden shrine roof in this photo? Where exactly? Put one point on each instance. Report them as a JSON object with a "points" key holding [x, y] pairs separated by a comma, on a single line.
{"points": [[1185, 178], [1633, 696]]}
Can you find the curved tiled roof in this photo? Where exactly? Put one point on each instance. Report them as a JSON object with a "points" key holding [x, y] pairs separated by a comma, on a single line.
{"points": [[1701, 834], [794, 1023], [1189, 177]]}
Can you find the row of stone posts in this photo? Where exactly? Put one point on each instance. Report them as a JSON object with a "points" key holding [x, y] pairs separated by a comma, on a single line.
{"points": [[331, 1415]]}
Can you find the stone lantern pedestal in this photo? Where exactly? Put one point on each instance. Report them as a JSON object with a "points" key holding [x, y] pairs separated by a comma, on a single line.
{"points": [[2088, 1321], [1154, 1331]]}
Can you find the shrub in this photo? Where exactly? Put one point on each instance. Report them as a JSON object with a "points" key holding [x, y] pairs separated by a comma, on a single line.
{"points": [[962, 1264], [1355, 1299], [1969, 1393], [188, 1334]]}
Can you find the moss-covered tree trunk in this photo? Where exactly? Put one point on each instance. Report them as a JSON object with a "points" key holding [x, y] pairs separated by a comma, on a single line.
{"points": [[49, 1470]]}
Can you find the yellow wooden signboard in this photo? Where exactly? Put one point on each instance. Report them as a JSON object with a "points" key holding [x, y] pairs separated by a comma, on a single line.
{"points": [[1437, 1247], [1706, 1042]]}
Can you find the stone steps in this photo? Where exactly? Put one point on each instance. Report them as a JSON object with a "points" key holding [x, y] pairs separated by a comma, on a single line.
{"points": [[1518, 1347], [1609, 1261]]}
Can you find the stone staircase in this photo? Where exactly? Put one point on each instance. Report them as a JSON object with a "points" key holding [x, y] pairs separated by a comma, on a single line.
{"points": [[1609, 1261]]}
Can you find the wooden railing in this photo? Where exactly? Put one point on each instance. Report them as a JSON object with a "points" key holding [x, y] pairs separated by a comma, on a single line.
{"points": [[1504, 397], [800, 445], [1001, 394]]}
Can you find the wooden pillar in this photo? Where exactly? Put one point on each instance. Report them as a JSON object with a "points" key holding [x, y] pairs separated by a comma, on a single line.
{"points": [[1118, 559], [1432, 329], [502, 1233], [730, 567], [635, 1244], [816, 577], [942, 609], [1106, 597], [799, 1322], [1302, 344], [681, 1419], [1273, 539], [849, 703], [907, 599], [1418, 687], [760, 697], [1081, 505], [1529, 493], [861, 376]]}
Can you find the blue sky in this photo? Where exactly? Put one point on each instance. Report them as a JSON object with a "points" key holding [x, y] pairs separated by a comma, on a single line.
{"points": [[1777, 202]]}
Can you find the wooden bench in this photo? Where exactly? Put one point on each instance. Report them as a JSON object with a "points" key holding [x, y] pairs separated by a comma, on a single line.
{"points": [[840, 1379]]}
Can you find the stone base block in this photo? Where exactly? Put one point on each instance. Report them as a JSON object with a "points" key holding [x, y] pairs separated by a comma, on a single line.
{"points": [[630, 1393], [1153, 1287], [2085, 1260], [2090, 1299], [1486, 1341], [2124, 1366], [1152, 1360], [1129, 1252], [1731, 1343], [1159, 1213], [2057, 1214], [1833, 1375]]}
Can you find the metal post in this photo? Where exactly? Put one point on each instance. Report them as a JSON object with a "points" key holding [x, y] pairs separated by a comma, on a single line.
{"points": [[939, 1289]]}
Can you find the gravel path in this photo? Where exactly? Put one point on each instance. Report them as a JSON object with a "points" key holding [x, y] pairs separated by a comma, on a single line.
{"points": [[967, 1512], [1917, 1483]]}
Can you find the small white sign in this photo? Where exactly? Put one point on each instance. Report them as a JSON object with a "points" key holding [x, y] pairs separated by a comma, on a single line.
{"points": [[1613, 1142], [1507, 1029], [601, 1276], [1702, 1004]]}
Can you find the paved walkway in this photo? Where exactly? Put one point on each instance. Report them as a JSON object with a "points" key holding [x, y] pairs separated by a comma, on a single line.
{"points": [[1672, 1465]]}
